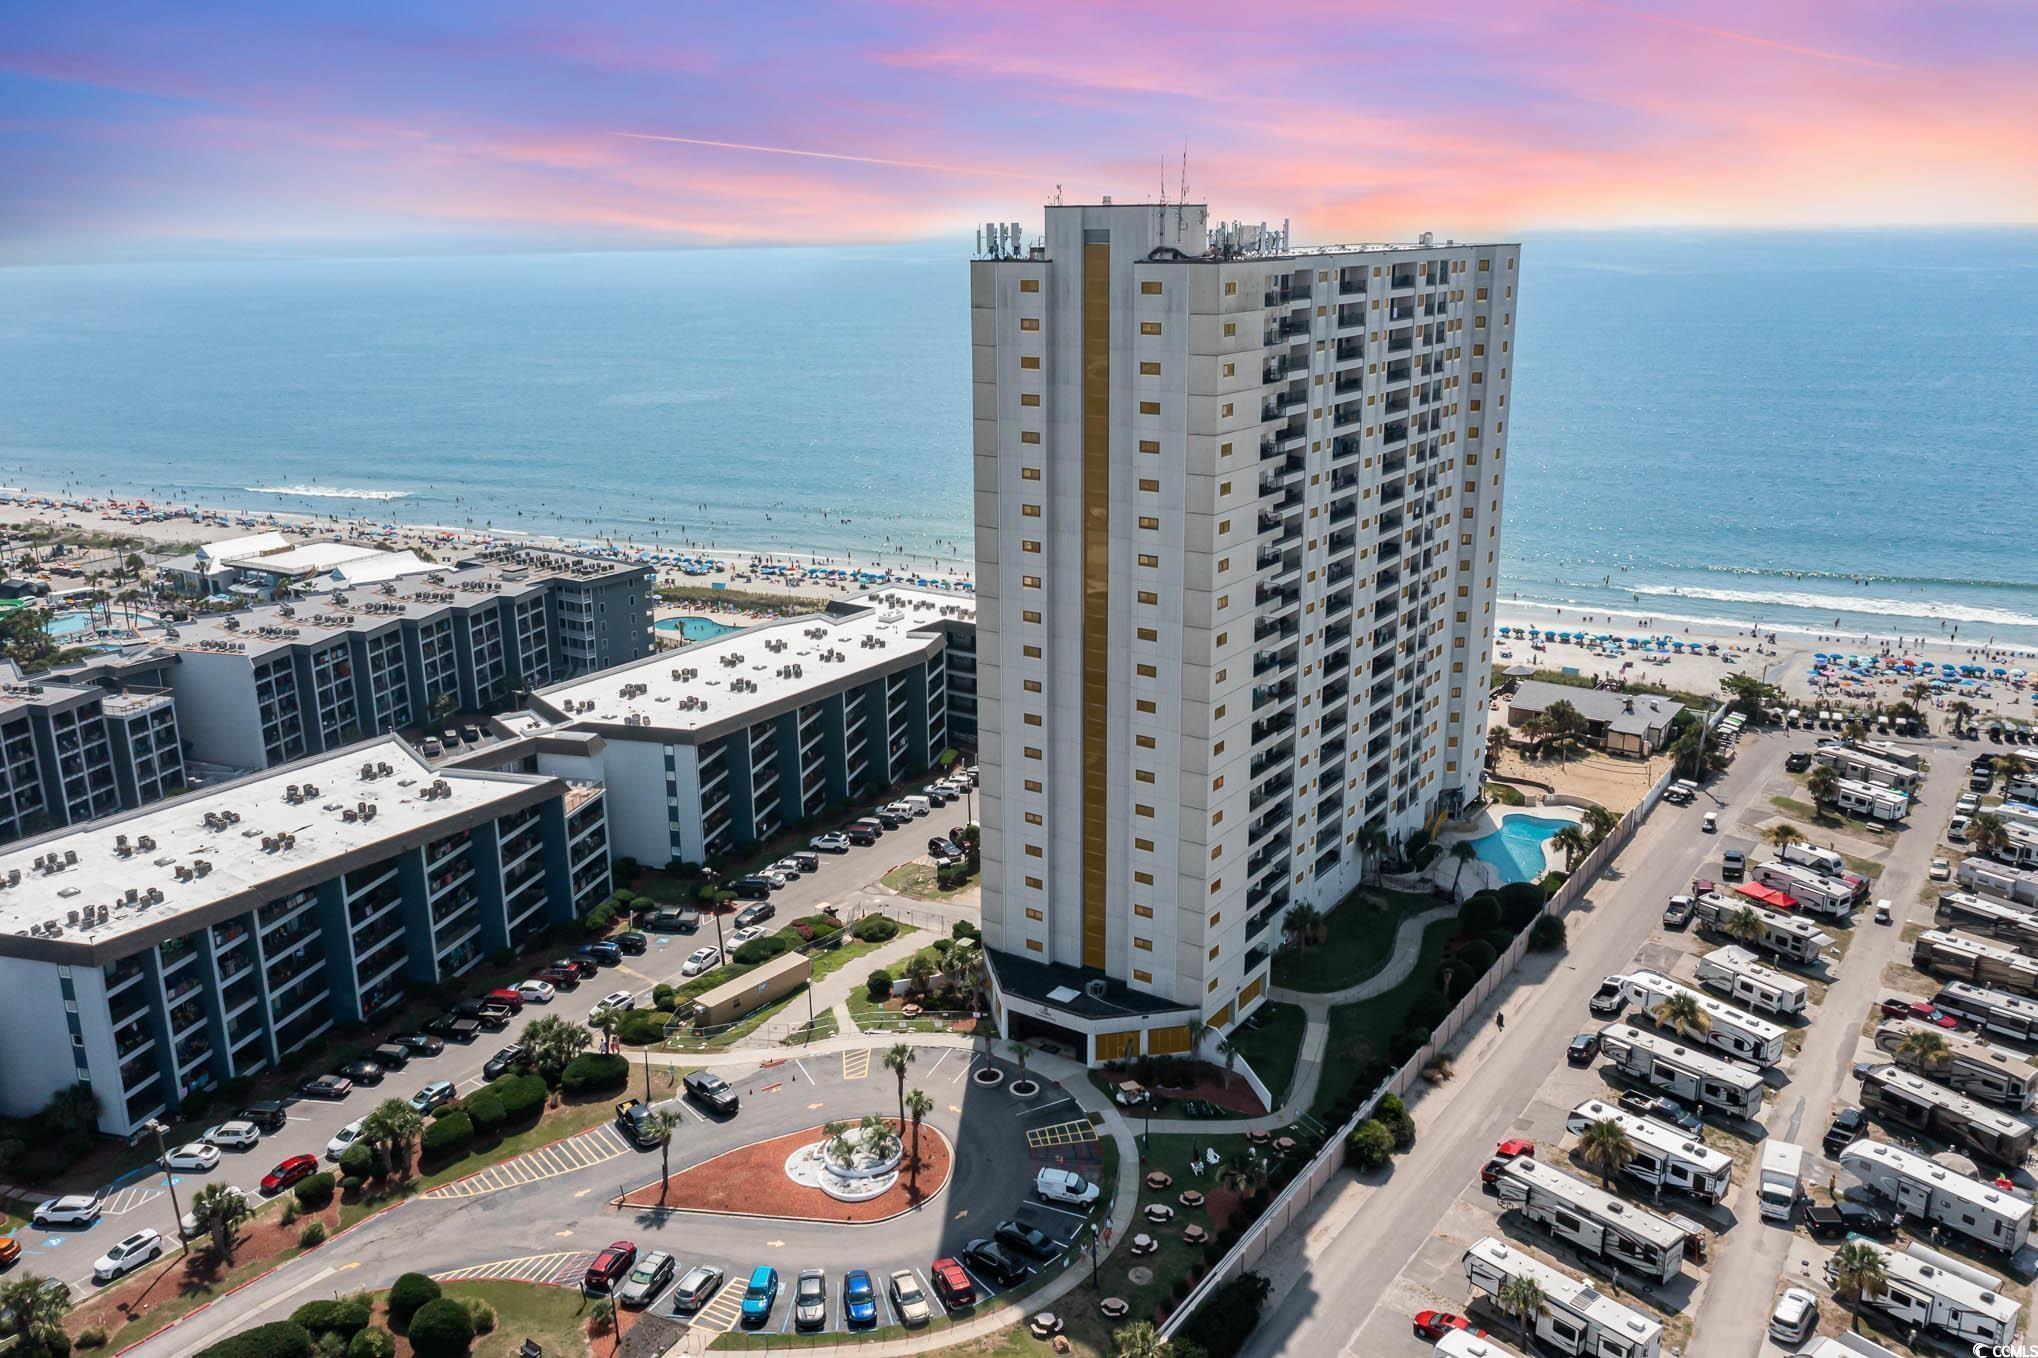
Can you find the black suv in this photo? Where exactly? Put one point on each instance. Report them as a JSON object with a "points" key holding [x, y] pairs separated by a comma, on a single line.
{"points": [[1026, 1239], [993, 1262], [1848, 1127], [711, 1090], [755, 914], [270, 1117], [632, 943]]}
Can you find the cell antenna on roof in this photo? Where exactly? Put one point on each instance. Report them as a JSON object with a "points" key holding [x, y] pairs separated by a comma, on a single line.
{"points": [[1182, 198]]}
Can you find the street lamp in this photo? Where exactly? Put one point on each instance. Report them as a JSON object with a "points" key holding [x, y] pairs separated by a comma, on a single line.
{"points": [[169, 1181]]}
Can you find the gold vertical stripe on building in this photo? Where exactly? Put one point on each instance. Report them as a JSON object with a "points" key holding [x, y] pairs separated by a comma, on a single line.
{"points": [[1096, 588]]}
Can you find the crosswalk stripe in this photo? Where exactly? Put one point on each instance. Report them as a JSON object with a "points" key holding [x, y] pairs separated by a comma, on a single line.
{"points": [[581, 1151]]}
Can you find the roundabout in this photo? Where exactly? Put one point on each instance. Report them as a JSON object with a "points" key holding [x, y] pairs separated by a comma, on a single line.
{"points": [[827, 1173]]}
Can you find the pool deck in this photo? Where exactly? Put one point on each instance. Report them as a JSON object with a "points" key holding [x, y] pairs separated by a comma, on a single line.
{"points": [[1480, 875]]}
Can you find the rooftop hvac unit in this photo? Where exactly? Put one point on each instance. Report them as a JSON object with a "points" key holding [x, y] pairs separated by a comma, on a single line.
{"points": [[201, 867], [130, 895], [70, 856], [70, 917], [1095, 989], [181, 873]]}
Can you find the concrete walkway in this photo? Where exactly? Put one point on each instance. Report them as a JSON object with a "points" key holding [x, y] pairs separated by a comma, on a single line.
{"points": [[1316, 1007]]}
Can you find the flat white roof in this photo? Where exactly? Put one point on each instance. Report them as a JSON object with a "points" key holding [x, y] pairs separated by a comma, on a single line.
{"points": [[1774, 919], [306, 557], [1918, 1169], [1994, 999], [1668, 1049], [1658, 1136], [1929, 1091], [732, 680], [248, 544], [244, 812], [1955, 941], [1596, 1202], [1575, 1295], [1717, 1010], [1741, 961], [1962, 1292]]}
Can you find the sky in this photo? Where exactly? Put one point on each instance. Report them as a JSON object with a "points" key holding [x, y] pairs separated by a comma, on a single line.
{"points": [[275, 126]]}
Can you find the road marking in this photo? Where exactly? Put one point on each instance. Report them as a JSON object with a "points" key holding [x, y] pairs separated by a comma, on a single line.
{"points": [[937, 1063], [812, 1106], [1028, 1112], [127, 1199], [954, 1108], [804, 1071], [593, 1147], [856, 1064], [1061, 1134], [561, 1269]]}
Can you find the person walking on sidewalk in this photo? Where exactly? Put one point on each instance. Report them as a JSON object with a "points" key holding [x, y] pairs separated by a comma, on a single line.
{"points": [[1500, 1020]]}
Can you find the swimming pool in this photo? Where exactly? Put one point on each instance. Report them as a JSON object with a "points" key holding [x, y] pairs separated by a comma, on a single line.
{"points": [[696, 629], [70, 624], [1516, 849]]}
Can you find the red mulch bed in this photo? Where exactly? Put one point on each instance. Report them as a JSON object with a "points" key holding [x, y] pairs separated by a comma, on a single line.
{"points": [[1209, 1086], [751, 1181]]}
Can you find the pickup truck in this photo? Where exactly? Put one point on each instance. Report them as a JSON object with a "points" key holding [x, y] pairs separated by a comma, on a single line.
{"points": [[677, 919], [1838, 1220], [634, 1117]]}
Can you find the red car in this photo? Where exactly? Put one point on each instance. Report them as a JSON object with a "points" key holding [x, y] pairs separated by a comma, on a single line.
{"points": [[1893, 1007], [1433, 1324], [508, 997], [610, 1266], [952, 1284], [289, 1172], [560, 975]]}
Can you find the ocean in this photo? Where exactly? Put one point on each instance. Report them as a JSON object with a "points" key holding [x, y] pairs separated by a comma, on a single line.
{"points": [[1806, 430]]}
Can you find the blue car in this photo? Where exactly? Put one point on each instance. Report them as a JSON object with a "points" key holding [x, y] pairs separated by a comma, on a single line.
{"points": [[760, 1296], [859, 1298]]}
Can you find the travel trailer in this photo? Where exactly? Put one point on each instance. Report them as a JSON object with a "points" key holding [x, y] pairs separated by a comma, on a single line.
{"points": [[1966, 958], [1812, 856], [1465, 1344], [1665, 1156], [1998, 1012], [1785, 936], [1814, 891], [1737, 974], [1736, 1032], [1934, 1299], [1872, 800], [1978, 915], [1992, 1074], [1682, 1071], [2015, 885], [1901, 755], [1862, 767], [1577, 1319], [1592, 1220], [1926, 1190], [1932, 1108]]}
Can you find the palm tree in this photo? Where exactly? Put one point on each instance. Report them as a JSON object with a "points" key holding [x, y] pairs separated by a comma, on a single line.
{"points": [[1923, 1047], [1572, 841], [896, 1058], [663, 1122], [1853, 730], [1605, 1146], [1600, 821], [1522, 1297], [1497, 742], [1743, 925], [1300, 925], [604, 1022], [877, 1135], [1689, 752], [393, 1125], [1229, 1051], [1564, 720], [219, 1210], [1138, 1340], [920, 970], [1681, 1012], [1918, 692], [552, 1042], [918, 1105], [1858, 1271], [1782, 835], [835, 1143], [1822, 783], [34, 1312], [1241, 1173], [1020, 1052], [1462, 853], [1989, 834], [1962, 712], [2012, 767], [1195, 1028]]}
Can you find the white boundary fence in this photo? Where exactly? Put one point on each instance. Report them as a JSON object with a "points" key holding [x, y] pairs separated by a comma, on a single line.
{"points": [[1295, 1198]]}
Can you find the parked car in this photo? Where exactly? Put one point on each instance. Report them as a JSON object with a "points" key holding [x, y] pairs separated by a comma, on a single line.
{"points": [[754, 887], [1028, 1240], [990, 1259], [1678, 912], [1956, 830], [432, 1095], [601, 952], [1609, 999], [952, 1284], [1515, 1148], [710, 1090], [471, 734], [755, 914], [760, 1295], [810, 1300], [609, 1266], [1733, 865], [1064, 1186], [1710, 823], [504, 1061], [430, 747], [560, 975], [421, 1044], [76, 1209], [290, 1171], [1435, 1324], [888, 818], [269, 1115], [646, 1280], [1849, 1126], [1969, 803], [326, 1087], [700, 960], [129, 1254], [391, 1056], [344, 1138], [697, 1288], [909, 1303], [363, 1072], [197, 1156], [1894, 1007], [537, 991], [748, 934], [1941, 870], [508, 996], [786, 868], [859, 1300], [861, 836], [614, 1001], [1660, 1108], [676, 919], [233, 1136], [631, 943], [832, 842], [1583, 1048], [1795, 1317], [1797, 761], [583, 967], [808, 861]]}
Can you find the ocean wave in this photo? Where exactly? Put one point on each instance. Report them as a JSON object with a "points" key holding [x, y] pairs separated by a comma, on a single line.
{"points": [[329, 492], [1869, 578], [1836, 604]]}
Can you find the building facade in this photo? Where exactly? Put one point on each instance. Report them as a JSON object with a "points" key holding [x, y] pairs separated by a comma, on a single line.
{"points": [[1237, 526], [72, 752], [174, 948]]}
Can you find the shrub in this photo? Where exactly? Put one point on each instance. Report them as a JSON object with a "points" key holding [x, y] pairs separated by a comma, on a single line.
{"points": [[521, 1096], [91, 1337], [316, 1191], [1478, 956], [485, 1110], [759, 950], [642, 1027], [441, 1329], [1408, 1042], [312, 1236], [408, 1293], [341, 1315], [1479, 913], [1392, 1114], [482, 1314], [358, 1159], [664, 997], [878, 985], [1431, 1008], [292, 1210], [351, 1183], [279, 1339], [1230, 1315], [1455, 978], [1500, 940], [1520, 903], [962, 929], [876, 929], [448, 1134], [1551, 881], [1547, 935], [594, 1073], [1370, 1145], [372, 1343]]}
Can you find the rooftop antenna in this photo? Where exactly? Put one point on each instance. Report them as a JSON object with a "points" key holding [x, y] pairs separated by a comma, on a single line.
{"points": [[1182, 198]]}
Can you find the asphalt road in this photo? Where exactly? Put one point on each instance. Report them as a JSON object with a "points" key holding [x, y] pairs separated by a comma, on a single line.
{"points": [[142, 1199]]}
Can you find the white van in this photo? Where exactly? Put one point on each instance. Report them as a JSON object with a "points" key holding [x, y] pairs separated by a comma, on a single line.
{"points": [[917, 805]]}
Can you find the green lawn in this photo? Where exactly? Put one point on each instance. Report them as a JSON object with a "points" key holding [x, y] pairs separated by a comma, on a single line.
{"points": [[1360, 1033], [553, 1316], [1271, 1047], [920, 881], [1360, 939]]}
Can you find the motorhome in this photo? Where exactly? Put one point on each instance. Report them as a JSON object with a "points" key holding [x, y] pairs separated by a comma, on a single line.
{"points": [[1938, 1300], [1576, 1318], [1814, 892], [1914, 1101], [2014, 885], [1596, 1222], [1904, 756], [1782, 1181], [1681, 1071], [2017, 813], [1967, 958], [1985, 918], [1812, 856], [2022, 788], [2021, 847], [1997, 1012], [1736, 1032], [1860, 766], [1872, 800], [1739, 975], [1665, 1156], [1785, 936], [1968, 1066], [1927, 1190]]}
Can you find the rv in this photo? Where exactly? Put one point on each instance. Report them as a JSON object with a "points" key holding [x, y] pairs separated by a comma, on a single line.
{"points": [[1833, 1346], [1812, 856], [1782, 1182], [1994, 1075], [1592, 1220], [1736, 973], [1814, 892], [1466, 1344], [1967, 958], [1998, 1012], [1922, 1188], [1733, 1031], [1852, 763], [1901, 755], [1914, 1101], [1665, 1156], [1916, 1293], [1576, 1319], [2017, 813], [2022, 788], [1984, 918], [2022, 849], [1785, 936], [1872, 800], [2010, 884], [1681, 1071]]}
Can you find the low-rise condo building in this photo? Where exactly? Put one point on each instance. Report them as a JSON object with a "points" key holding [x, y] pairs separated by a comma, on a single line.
{"points": [[70, 752]]}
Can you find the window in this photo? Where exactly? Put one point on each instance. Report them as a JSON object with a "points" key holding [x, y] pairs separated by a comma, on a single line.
{"points": [[1033, 851], [1029, 362], [1143, 845], [1151, 524], [1029, 285], [1148, 559], [1147, 672], [1231, 370], [1030, 652], [1149, 445], [1149, 288], [1230, 329], [1030, 581], [1029, 436], [1033, 945], [1213, 953], [1218, 748], [1145, 705], [1224, 410], [1142, 775], [1029, 473], [1032, 785], [1030, 685], [1217, 783], [1149, 483], [1148, 368], [1029, 511], [1224, 450], [1143, 911], [1143, 944], [1142, 809], [1147, 596], [1029, 545], [1033, 752], [1034, 818], [1224, 488], [1153, 634], [1029, 615], [1150, 408], [1231, 287], [1144, 742], [1029, 322], [1029, 398], [1224, 525], [1032, 912], [1149, 327]]}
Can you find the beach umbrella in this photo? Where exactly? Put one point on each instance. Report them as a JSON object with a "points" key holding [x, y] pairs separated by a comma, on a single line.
{"points": [[1999, 670]]}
